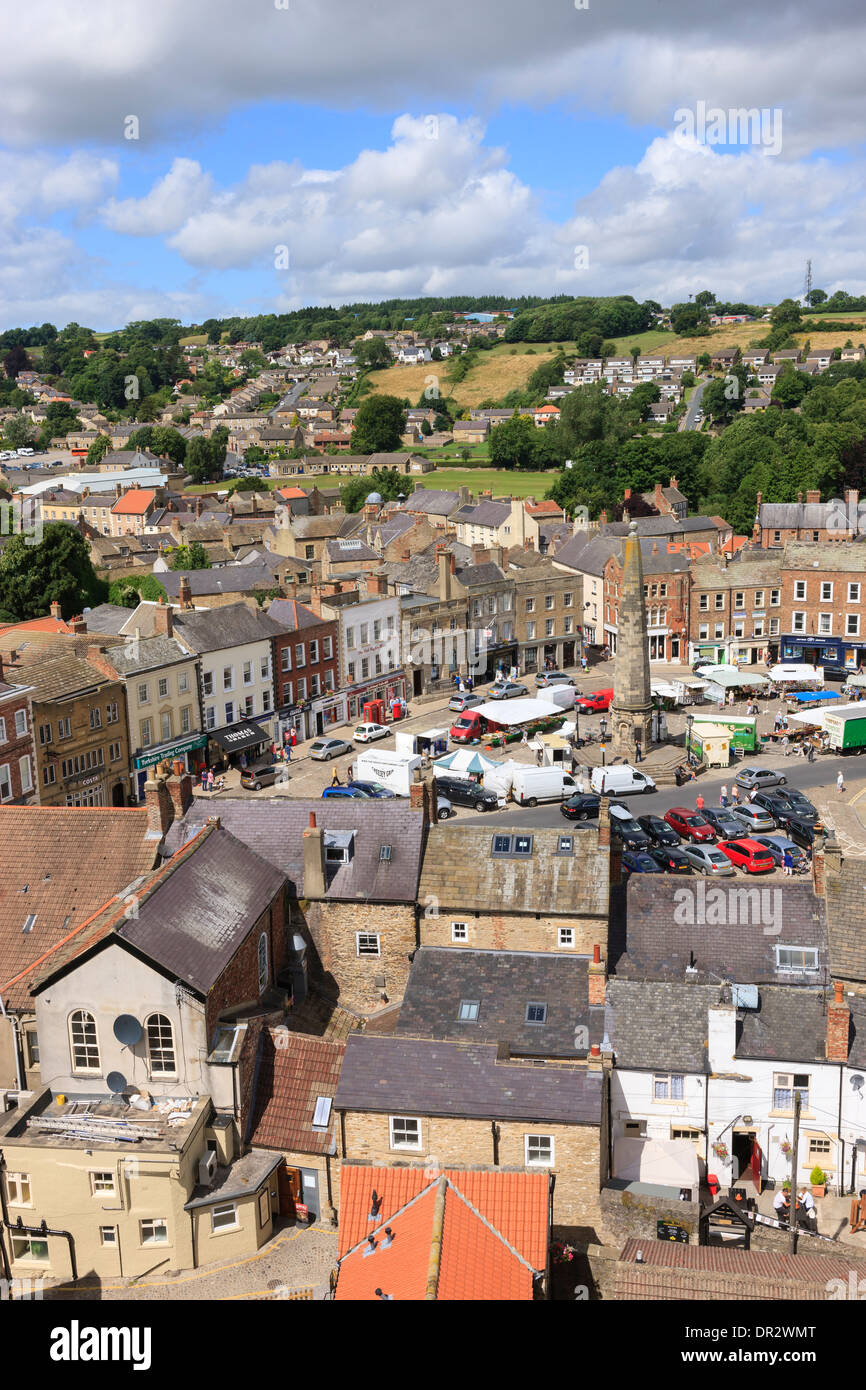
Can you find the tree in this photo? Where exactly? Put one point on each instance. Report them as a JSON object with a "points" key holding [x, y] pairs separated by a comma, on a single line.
{"points": [[189, 557], [704, 298], [790, 387], [372, 352], [355, 492], [816, 297], [689, 319], [161, 440], [98, 449], [512, 444], [32, 577], [687, 379], [426, 427], [786, 315], [129, 591], [16, 360], [18, 432], [205, 458], [380, 422]]}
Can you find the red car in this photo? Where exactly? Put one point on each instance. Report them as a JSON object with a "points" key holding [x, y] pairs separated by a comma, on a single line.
{"points": [[596, 703], [747, 855], [690, 825]]}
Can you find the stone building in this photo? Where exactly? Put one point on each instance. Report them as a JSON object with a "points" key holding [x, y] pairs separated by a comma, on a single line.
{"points": [[631, 710]]}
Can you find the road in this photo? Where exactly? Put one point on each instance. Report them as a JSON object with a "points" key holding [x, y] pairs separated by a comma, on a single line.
{"points": [[291, 398], [690, 420]]}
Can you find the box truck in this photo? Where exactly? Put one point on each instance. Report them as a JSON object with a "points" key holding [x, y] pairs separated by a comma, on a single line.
{"points": [[845, 729], [389, 769]]}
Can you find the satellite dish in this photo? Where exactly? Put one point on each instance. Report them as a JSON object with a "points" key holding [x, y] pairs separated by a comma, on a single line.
{"points": [[127, 1030], [116, 1082], [857, 1082]]}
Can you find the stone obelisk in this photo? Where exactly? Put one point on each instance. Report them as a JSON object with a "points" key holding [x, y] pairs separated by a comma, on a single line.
{"points": [[631, 711]]}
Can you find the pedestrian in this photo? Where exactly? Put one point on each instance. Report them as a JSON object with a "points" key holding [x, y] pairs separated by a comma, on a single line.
{"points": [[456, 681], [782, 1205], [287, 753], [469, 684], [753, 793], [699, 802], [787, 864], [335, 780], [723, 795], [210, 780], [840, 781], [810, 752], [786, 745], [637, 753], [735, 794], [293, 737], [204, 779]]}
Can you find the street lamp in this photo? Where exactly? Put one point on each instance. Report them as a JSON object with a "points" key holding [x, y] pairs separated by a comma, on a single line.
{"points": [[690, 719], [603, 726]]}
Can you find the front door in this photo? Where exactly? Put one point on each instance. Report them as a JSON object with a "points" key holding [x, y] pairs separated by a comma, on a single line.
{"points": [[289, 1188]]}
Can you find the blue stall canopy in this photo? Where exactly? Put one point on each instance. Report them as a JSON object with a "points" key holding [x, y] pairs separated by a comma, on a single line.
{"points": [[811, 697]]}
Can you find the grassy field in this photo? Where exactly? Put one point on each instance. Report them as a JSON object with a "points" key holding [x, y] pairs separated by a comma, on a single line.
{"points": [[507, 367], [501, 482], [194, 340]]}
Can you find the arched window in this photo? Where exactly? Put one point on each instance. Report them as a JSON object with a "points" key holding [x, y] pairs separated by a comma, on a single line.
{"points": [[83, 1041], [160, 1045], [263, 963]]}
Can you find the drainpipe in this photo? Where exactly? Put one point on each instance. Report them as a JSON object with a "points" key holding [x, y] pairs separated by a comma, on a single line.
{"points": [[840, 1166], [43, 1230], [16, 1047]]}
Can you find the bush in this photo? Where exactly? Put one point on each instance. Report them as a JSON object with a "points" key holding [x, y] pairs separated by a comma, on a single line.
{"points": [[817, 1177]]}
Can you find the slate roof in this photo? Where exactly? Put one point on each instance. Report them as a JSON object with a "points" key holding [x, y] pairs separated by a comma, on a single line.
{"points": [[461, 872], [350, 551], [400, 1076], [788, 1025], [227, 579], [480, 576], [488, 513], [474, 1260], [845, 894], [215, 629], [588, 554], [57, 673], [502, 983], [146, 654], [718, 927], [292, 1072], [317, 527], [658, 1026], [670, 1271], [107, 618], [293, 616], [274, 829], [192, 914], [432, 501], [810, 515], [71, 860]]}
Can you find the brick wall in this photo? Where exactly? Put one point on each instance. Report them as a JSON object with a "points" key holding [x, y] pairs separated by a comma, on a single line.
{"points": [[16, 746], [286, 682], [239, 982], [452, 1140], [513, 931], [337, 968]]}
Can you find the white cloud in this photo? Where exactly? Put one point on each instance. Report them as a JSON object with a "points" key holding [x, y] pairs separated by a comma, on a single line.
{"points": [[183, 190]]}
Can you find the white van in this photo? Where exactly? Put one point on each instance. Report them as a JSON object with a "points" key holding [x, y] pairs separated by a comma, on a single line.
{"points": [[562, 695], [530, 785], [619, 781]]}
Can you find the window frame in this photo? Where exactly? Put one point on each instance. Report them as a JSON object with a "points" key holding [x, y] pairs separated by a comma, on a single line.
{"points": [[77, 1068], [539, 1140], [368, 936], [159, 1052], [407, 1121]]}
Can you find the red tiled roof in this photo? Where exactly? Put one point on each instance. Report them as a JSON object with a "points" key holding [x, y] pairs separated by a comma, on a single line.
{"points": [[291, 492], [35, 625], [547, 506], [671, 1271], [293, 1071], [494, 1233], [134, 502]]}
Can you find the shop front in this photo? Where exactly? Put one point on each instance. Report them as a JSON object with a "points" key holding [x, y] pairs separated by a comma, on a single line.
{"points": [[385, 687], [237, 745], [190, 750], [312, 718], [830, 651]]}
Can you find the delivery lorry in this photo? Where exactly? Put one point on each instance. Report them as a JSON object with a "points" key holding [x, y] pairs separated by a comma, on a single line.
{"points": [[393, 770], [845, 729]]}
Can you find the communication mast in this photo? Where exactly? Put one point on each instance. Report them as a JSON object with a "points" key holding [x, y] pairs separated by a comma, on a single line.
{"points": [[807, 287]]}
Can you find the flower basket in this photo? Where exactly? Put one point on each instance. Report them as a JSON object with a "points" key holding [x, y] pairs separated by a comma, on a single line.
{"points": [[721, 1152], [562, 1253], [785, 1147]]}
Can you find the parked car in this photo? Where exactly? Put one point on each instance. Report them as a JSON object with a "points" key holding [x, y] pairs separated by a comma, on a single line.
{"points": [[748, 855], [546, 678], [254, 778], [368, 733], [458, 703], [353, 790], [444, 809], [774, 802], [375, 790], [706, 859], [760, 777], [639, 862], [723, 821], [801, 832], [795, 802], [508, 690], [689, 825], [624, 827], [753, 818], [836, 673], [321, 749], [462, 791], [673, 861], [596, 703], [581, 806], [659, 831], [776, 845]]}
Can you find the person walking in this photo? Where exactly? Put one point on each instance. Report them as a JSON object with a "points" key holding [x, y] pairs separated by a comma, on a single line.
{"points": [[210, 779], [787, 864], [810, 752], [723, 796], [840, 781], [287, 753], [786, 745], [335, 780], [699, 802], [735, 794]]}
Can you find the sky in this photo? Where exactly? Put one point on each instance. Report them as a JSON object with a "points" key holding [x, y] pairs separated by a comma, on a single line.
{"points": [[199, 160]]}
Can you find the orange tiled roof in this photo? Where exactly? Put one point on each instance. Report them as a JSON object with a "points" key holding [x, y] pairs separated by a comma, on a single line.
{"points": [[293, 1071], [35, 625], [494, 1233], [548, 505], [134, 502], [291, 492]]}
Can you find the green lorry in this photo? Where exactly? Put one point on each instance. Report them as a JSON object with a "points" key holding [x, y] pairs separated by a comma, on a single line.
{"points": [[845, 729], [743, 728]]}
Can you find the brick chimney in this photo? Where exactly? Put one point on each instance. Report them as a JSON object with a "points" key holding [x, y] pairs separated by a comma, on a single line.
{"points": [[405, 557], [443, 561], [199, 507], [96, 657], [597, 974], [602, 520], [184, 594], [180, 790], [421, 795], [159, 804], [55, 610], [675, 482], [162, 619], [838, 1026], [826, 862], [479, 554], [626, 494], [813, 497], [658, 500], [315, 882]]}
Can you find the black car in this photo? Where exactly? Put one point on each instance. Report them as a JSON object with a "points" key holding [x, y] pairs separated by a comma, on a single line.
{"points": [[723, 820], [799, 831], [581, 806], [800, 806], [462, 791], [836, 673], [626, 829], [673, 861], [777, 802], [659, 832], [375, 790]]}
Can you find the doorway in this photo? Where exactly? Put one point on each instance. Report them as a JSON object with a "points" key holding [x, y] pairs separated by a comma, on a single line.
{"points": [[417, 681], [745, 1149], [320, 723], [117, 795], [289, 1188]]}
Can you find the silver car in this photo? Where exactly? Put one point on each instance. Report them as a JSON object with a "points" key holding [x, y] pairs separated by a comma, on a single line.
{"points": [[706, 859], [754, 818], [751, 777], [321, 749], [777, 845]]}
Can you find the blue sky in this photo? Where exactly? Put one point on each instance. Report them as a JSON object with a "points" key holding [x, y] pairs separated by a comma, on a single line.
{"points": [[466, 149]]}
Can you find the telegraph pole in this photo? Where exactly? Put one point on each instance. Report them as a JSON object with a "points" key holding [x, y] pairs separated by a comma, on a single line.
{"points": [[794, 1157]]}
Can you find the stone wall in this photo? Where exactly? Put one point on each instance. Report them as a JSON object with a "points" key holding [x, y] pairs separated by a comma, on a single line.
{"points": [[510, 931], [337, 969], [627, 1214]]}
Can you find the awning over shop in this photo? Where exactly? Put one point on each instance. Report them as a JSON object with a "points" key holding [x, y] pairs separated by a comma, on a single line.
{"points": [[170, 750], [810, 697], [240, 736]]}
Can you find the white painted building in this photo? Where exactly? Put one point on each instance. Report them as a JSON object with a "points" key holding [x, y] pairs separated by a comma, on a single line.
{"points": [[370, 649]]}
